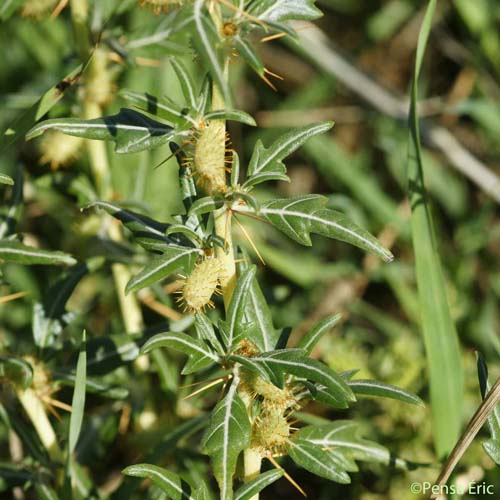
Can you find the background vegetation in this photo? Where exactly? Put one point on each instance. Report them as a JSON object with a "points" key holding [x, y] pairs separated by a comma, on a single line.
{"points": [[355, 67]]}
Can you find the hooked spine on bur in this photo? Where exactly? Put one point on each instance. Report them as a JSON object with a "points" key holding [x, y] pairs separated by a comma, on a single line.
{"points": [[201, 284]]}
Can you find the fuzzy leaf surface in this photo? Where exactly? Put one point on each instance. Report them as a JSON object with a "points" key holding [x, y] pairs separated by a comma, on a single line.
{"points": [[226, 436], [296, 362], [313, 336], [17, 371], [200, 355], [492, 445], [206, 39], [382, 390], [267, 163], [172, 484], [300, 216], [316, 460], [14, 251], [233, 329], [148, 233], [175, 258], [256, 485], [130, 130], [344, 435], [163, 107], [282, 10]]}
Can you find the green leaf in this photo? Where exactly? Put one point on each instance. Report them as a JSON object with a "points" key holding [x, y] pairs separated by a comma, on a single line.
{"points": [[200, 355], [381, 390], [175, 258], [25, 120], [206, 39], [248, 53], [188, 86], [148, 233], [5, 179], [440, 337], [130, 130], [256, 485], [205, 331], [45, 492], [227, 435], [316, 460], [50, 317], [234, 115], [257, 317], [205, 205], [491, 446], [163, 107], [78, 402], [14, 251], [312, 337], [10, 216], [320, 393], [296, 362], [267, 164], [282, 10], [343, 435], [233, 329], [172, 484], [18, 371], [299, 216]]}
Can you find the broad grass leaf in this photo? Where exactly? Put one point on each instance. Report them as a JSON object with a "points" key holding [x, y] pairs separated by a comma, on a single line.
{"points": [[78, 401], [440, 336]]}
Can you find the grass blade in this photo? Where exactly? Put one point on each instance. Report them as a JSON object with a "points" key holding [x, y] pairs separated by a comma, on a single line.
{"points": [[440, 337], [78, 402]]}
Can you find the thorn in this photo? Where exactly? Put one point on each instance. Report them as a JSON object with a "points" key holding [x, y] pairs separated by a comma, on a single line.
{"points": [[58, 8], [12, 296], [247, 236], [239, 10], [279, 77], [266, 80], [286, 475], [273, 37], [205, 387]]}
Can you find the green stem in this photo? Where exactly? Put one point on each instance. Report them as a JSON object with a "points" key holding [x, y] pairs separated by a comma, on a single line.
{"points": [[251, 459]]}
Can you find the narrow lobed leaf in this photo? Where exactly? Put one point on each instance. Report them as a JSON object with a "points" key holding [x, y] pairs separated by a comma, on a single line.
{"points": [[14, 251], [130, 130], [173, 485]]}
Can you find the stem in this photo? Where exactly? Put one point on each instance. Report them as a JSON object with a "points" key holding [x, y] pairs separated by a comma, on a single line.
{"points": [[251, 459], [36, 412]]}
